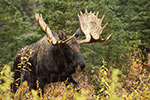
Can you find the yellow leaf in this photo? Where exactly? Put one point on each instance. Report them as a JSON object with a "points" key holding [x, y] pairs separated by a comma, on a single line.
{"points": [[101, 90], [29, 63], [19, 66], [102, 79], [105, 73], [25, 57], [106, 84]]}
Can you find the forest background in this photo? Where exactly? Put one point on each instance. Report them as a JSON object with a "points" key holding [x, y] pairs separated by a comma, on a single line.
{"points": [[128, 22]]}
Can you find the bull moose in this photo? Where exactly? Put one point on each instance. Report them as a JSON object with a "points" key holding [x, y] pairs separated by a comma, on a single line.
{"points": [[56, 56]]}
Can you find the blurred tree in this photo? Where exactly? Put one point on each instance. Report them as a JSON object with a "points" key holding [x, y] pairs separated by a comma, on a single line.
{"points": [[128, 22], [12, 24], [139, 20]]}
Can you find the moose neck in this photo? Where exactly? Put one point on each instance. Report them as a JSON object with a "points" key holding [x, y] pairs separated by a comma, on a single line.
{"points": [[63, 58]]}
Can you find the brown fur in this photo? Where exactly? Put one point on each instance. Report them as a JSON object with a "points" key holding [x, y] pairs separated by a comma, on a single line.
{"points": [[48, 63]]}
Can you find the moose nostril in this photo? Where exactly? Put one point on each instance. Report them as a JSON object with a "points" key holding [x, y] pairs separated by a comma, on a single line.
{"points": [[82, 66]]}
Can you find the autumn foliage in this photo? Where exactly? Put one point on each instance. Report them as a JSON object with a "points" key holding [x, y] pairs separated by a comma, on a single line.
{"points": [[134, 84]]}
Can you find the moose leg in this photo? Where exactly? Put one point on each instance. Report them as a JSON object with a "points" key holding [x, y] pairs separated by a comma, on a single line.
{"points": [[41, 84], [75, 83], [16, 84]]}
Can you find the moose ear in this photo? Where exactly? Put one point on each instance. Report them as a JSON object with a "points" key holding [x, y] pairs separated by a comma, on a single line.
{"points": [[62, 35], [78, 32]]}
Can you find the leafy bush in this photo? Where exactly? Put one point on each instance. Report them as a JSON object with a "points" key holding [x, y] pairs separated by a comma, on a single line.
{"points": [[5, 81], [106, 85], [136, 84]]}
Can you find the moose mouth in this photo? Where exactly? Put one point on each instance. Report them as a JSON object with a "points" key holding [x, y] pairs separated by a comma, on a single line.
{"points": [[81, 68]]}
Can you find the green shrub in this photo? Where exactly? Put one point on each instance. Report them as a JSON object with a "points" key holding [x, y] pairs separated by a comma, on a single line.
{"points": [[105, 85]]}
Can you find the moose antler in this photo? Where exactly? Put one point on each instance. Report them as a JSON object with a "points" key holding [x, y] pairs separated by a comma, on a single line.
{"points": [[48, 32], [91, 26]]}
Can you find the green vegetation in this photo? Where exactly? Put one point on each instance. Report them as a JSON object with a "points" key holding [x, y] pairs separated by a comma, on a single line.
{"points": [[114, 68], [133, 85]]}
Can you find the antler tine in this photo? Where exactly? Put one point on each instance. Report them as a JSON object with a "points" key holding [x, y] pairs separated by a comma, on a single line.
{"points": [[69, 38], [86, 11], [107, 38], [105, 25], [48, 32], [97, 14], [102, 18], [91, 26], [94, 13], [81, 13]]}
